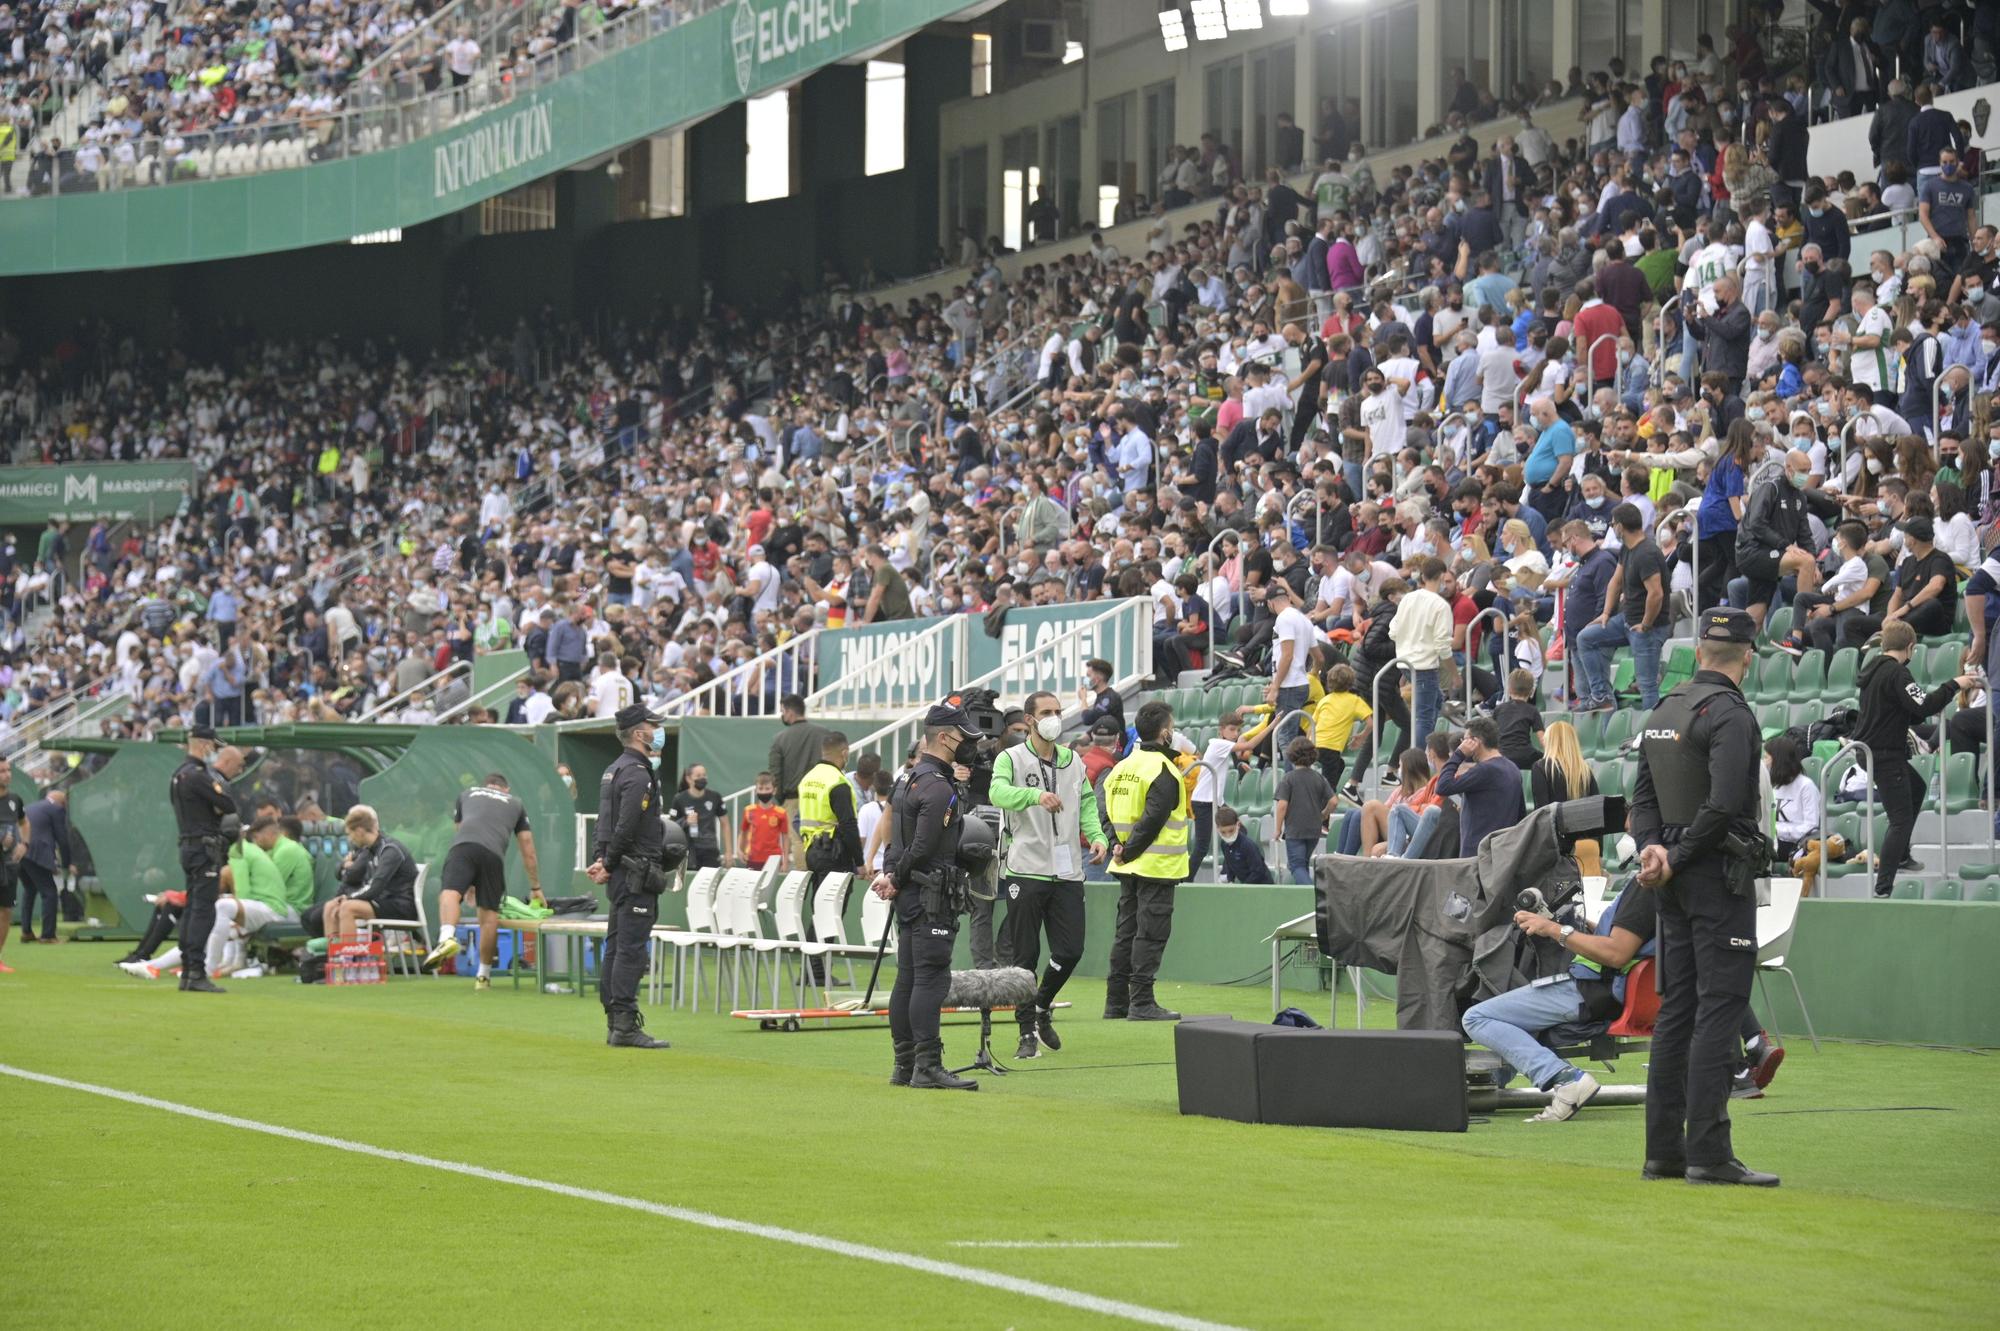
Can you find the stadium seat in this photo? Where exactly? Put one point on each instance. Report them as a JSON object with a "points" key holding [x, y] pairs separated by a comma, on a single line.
{"points": [[399, 958], [1809, 679], [1842, 673], [1947, 890], [1986, 891], [1777, 624], [1961, 782], [1776, 924], [1771, 680], [1912, 890]]}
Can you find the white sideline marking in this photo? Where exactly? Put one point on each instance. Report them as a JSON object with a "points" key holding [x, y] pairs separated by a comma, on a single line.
{"points": [[972, 1275], [1018, 1243]]}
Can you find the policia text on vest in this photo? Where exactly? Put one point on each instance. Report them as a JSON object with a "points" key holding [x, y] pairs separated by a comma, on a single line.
{"points": [[1150, 821]]}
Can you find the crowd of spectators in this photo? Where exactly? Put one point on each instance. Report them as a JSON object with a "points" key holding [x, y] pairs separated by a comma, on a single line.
{"points": [[1405, 397]]}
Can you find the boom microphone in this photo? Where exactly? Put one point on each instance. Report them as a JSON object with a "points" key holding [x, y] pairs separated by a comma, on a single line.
{"points": [[1010, 986]]}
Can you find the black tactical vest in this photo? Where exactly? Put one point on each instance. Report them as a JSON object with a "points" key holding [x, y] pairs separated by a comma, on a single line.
{"points": [[1679, 770]]}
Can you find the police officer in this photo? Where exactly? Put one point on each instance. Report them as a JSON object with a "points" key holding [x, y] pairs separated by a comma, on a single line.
{"points": [[922, 876], [1147, 803], [627, 855], [208, 821], [1695, 818]]}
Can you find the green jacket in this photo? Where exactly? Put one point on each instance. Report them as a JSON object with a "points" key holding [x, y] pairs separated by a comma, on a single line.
{"points": [[295, 865], [257, 878], [1033, 834]]}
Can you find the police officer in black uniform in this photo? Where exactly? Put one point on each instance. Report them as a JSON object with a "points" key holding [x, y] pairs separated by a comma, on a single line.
{"points": [[1695, 818], [627, 856], [922, 876], [208, 822]]}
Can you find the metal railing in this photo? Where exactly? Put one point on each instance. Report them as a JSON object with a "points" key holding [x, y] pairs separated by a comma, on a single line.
{"points": [[1214, 572], [729, 694], [1506, 649], [903, 677], [422, 688], [1375, 718], [1868, 802], [282, 145]]}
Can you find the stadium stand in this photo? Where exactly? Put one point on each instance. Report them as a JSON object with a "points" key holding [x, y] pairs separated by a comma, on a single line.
{"points": [[692, 493]]}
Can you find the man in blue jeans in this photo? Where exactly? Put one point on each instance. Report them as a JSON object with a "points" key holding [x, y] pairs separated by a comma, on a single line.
{"points": [[1635, 613], [1594, 990]]}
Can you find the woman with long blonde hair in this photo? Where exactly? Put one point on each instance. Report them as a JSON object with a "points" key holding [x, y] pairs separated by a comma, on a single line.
{"points": [[1564, 774]]}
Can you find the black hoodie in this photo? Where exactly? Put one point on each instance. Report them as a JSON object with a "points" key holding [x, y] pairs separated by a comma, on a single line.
{"points": [[1891, 702]]}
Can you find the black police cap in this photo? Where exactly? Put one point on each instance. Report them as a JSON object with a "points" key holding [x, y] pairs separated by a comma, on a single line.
{"points": [[1728, 625], [946, 714], [202, 732], [630, 718]]}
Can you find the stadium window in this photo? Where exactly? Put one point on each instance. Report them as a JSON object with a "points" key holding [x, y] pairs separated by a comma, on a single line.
{"points": [[1011, 207], [1107, 205], [982, 64], [1072, 52], [884, 107], [530, 207], [389, 237], [767, 136]]}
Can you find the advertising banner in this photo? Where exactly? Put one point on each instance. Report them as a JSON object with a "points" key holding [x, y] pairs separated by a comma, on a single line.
{"points": [[150, 491]]}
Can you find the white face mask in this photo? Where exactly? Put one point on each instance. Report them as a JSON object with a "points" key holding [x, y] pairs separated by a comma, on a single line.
{"points": [[1229, 838], [1049, 728]]}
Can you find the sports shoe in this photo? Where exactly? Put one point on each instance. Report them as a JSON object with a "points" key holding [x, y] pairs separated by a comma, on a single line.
{"points": [[1791, 646], [1029, 1047], [481, 983], [1766, 1065], [140, 970], [5, 969], [1569, 1097], [1744, 1087], [447, 947], [1731, 1171], [1045, 1029]]}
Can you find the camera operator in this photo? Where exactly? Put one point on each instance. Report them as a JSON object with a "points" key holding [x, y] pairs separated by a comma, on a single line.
{"points": [[1695, 819], [1150, 819], [1594, 991], [1049, 807], [974, 772], [924, 879]]}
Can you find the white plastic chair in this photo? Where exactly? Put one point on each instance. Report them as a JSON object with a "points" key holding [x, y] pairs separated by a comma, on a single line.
{"points": [[705, 917], [748, 926], [788, 921], [1776, 923], [700, 887], [420, 926]]}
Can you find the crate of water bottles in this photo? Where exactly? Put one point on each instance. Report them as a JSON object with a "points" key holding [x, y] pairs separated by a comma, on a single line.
{"points": [[356, 959]]}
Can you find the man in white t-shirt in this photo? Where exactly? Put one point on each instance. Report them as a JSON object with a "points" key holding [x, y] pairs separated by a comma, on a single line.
{"points": [[1498, 380], [1291, 639], [1382, 416], [1872, 348], [1350, 589], [760, 582], [461, 57], [610, 692]]}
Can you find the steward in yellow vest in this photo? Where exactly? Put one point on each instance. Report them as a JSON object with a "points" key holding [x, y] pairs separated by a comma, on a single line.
{"points": [[1147, 803]]}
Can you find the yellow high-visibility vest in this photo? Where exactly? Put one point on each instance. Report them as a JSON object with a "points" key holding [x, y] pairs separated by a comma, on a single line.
{"points": [[1125, 788]]}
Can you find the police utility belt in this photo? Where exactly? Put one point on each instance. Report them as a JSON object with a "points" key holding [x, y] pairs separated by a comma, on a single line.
{"points": [[1746, 858], [945, 891], [645, 877]]}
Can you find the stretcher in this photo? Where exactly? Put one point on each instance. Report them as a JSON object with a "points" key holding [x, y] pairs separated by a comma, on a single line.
{"points": [[794, 1019]]}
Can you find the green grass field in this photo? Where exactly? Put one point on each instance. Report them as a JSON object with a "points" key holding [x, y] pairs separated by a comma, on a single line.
{"points": [[122, 1215]]}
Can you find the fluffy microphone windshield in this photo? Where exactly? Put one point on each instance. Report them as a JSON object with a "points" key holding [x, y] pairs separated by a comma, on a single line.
{"points": [[1009, 986]]}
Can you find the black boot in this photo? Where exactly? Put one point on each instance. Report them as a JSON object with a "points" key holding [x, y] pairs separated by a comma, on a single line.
{"points": [[200, 984], [626, 1033], [906, 1060], [1045, 1028], [1145, 1009], [1115, 1001], [929, 1073]]}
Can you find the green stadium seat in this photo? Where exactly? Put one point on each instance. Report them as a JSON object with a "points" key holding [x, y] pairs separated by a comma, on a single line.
{"points": [[1771, 681], [1948, 890], [1910, 891], [1809, 679], [1679, 661], [1980, 871], [1961, 782], [1777, 624], [1611, 780], [1623, 677], [1618, 727], [1842, 673], [1986, 891]]}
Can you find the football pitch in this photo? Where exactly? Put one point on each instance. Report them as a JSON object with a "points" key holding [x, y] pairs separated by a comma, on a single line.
{"points": [[418, 1153]]}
